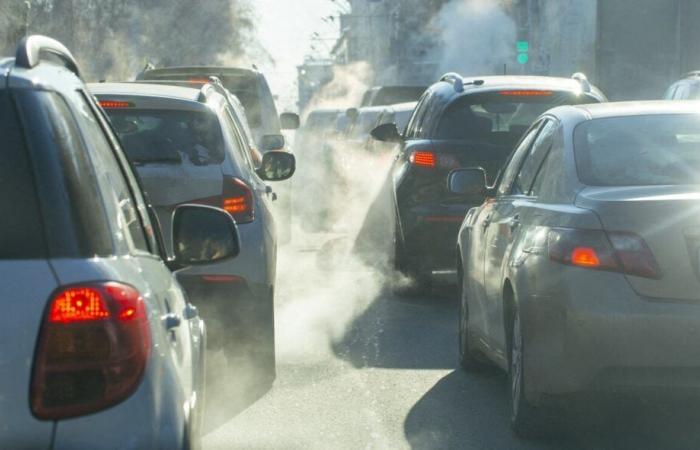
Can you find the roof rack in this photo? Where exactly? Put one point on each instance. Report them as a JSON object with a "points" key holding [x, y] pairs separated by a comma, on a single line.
{"points": [[31, 49], [582, 80], [455, 79]]}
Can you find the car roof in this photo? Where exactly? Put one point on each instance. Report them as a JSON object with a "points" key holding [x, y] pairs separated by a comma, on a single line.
{"points": [[604, 110], [475, 85], [146, 89], [199, 70]]}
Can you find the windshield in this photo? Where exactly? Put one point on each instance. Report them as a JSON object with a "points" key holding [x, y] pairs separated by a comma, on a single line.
{"points": [[639, 151], [169, 137], [393, 95]]}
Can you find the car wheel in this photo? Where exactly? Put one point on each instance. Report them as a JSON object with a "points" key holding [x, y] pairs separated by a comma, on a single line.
{"points": [[526, 420], [420, 283], [469, 359]]}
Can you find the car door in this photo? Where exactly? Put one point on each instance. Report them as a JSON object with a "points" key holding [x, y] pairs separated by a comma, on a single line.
{"points": [[502, 225], [179, 318]]}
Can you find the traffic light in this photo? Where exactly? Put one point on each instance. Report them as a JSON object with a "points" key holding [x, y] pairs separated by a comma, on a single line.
{"points": [[523, 48]]}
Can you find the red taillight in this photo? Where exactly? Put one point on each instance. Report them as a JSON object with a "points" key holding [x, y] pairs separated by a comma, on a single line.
{"points": [[526, 93], [432, 160], [596, 249], [114, 104], [198, 80], [585, 257], [92, 350], [238, 200], [423, 159]]}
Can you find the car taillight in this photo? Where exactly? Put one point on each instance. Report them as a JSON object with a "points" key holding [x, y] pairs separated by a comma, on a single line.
{"points": [[595, 249], [432, 160], [92, 350], [238, 200], [115, 104]]}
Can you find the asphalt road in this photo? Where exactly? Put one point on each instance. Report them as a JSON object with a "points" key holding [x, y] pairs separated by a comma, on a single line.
{"points": [[359, 368]]}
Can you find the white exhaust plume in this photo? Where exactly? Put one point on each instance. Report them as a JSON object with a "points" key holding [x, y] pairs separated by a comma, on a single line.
{"points": [[478, 37]]}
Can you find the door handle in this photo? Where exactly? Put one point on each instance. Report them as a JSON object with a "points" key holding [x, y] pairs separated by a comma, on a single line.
{"points": [[171, 320], [268, 189]]}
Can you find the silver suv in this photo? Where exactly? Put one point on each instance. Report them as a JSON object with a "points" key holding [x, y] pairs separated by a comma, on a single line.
{"points": [[187, 146], [95, 329]]}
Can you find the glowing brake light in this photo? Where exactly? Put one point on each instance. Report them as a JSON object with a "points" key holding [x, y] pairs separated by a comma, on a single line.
{"points": [[114, 104], [238, 200], [423, 159], [92, 351], [526, 93], [78, 305], [198, 80], [615, 251], [585, 257]]}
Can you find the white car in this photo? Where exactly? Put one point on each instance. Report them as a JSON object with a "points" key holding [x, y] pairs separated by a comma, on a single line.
{"points": [[187, 147], [96, 336]]}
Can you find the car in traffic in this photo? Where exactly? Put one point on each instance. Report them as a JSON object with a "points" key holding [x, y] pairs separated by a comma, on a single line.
{"points": [[251, 88], [459, 122], [391, 95], [580, 272], [687, 88], [187, 148], [96, 330]]}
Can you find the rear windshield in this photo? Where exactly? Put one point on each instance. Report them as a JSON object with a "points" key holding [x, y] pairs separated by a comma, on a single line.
{"points": [[21, 234], [500, 118], [247, 91], [639, 151], [169, 137]]}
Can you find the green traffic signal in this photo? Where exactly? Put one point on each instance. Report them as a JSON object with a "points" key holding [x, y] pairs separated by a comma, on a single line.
{"points": [[523, 58]]}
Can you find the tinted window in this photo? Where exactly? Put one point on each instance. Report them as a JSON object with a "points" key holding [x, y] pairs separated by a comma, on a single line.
{"points": [[638, 151], [71, 199], [21, 234], [499, 118], [534, 159], [513, 165], [115, 190], [241, 155], [168, 136], [397, 94]]}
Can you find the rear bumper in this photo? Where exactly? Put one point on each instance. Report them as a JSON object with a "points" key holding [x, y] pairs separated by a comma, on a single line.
{"points": [[430, 236], [591, 332]]}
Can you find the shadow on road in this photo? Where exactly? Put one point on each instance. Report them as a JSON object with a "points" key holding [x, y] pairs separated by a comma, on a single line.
{"points": [[471, 411], [402, 334]]}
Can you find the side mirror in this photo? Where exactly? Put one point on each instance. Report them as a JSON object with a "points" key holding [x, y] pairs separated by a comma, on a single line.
{"points": [[468, 182], [289, 121], [203, 235], [386, 133], [353, 113], [272, 142], [277, 166]]}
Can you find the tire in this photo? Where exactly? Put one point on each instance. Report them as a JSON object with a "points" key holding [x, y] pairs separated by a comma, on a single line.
{"points": [[469, 359], [421, 282], [268, 360], [527, 420]]}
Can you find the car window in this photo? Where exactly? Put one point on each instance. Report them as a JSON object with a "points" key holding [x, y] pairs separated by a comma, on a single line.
{"points": [[543, 176], [119, 204], [513, 165], [241, 155], [415, 122], [74, 188], [21, 233], [639, 150], [169, 136], [539, 150]]}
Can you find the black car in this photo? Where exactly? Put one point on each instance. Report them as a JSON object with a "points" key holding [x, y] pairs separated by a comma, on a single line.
{"points": [[459, 122]]}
